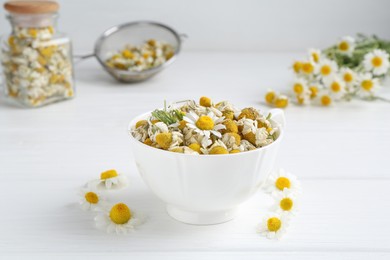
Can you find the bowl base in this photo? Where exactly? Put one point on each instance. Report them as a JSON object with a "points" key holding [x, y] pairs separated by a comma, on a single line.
{"points": [[201, 218]]}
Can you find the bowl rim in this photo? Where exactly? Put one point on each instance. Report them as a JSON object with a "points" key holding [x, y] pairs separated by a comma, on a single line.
{"points": [[144, 115], [108, 32]]}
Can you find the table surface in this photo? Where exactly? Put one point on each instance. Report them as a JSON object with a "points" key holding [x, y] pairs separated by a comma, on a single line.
{"points": [[339, 154]]}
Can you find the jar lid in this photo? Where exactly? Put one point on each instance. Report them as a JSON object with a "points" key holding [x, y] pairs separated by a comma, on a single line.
{"points": [[31, 7]]}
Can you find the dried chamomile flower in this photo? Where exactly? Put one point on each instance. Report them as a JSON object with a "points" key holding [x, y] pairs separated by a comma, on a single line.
{"points": [[90, 198], [285, 202], [150, 54], [118, 218], [205, 128], [280, 180], [205, 124], [110, 179], [273, 226]]}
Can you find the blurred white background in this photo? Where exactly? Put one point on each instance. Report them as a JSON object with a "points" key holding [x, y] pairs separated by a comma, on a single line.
{"points": [[230, 25]]}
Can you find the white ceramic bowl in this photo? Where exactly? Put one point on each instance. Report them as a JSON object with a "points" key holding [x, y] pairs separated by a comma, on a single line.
{"points": [[205, 189]]}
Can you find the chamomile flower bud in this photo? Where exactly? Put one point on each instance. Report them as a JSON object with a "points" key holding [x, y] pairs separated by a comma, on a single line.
{"points": [[315, 55]]}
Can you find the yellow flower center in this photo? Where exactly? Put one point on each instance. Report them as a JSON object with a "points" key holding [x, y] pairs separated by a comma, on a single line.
{"points": [[348, 77], [141, 123], [335, 87], [205, 101], [218, 150], [195, 147], [270, 97], [281, 102], [344, 46], [376, 61], [326, 100], [307, 68], [300, 100], [298, 88], [235, 151], [33, 32], [120, 213], [326, 70], [164, 140], [313, 91], [91, 197], [231, 126], [367, 84], [274, 224], [127, 54], [286, 204], [315, 57], [205, 123], [228, 114], [182, 124], [297, 66], [282, 182], [108, 174]]}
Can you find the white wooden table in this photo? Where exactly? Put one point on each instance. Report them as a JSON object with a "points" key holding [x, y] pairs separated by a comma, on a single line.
{"points": [[341, 155]]}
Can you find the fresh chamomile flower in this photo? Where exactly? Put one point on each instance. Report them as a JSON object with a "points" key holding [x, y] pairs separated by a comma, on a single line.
{"points": [[324, 98], [118, 218], [314, 88], [304, 98], [205, 124], [90, 198], [111, 180], [280, 180], [308, 68], [349, 77], [315, 55], [285, 202], [336, 86], [377, 61], [326, 68], [346, 45], [273, 226], [281, 101], [270, 96], [367, 85], [299, 86], [297, 66]]}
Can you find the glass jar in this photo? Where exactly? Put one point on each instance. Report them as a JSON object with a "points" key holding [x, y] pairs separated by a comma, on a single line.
{"points": [[36, 58]]}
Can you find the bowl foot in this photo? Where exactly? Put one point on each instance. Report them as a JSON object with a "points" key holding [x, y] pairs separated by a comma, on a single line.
{"points": [[201, 218]]}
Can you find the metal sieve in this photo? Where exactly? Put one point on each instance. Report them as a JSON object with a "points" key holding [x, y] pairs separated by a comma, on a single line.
{"points": [[135, 33]]}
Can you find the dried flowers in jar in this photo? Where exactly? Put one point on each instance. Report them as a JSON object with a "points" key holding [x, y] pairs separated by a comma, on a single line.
{"points": [[206, 128], [151, 54], [36, 59]]}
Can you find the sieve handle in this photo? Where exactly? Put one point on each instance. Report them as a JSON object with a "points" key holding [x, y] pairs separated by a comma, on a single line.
{"points": [[183, 36], [78, 58]]}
